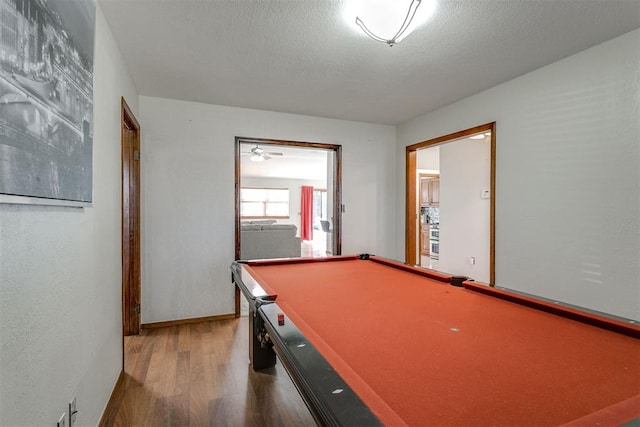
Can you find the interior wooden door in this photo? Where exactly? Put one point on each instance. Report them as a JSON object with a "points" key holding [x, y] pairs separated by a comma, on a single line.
{"points": [[130, 136]]}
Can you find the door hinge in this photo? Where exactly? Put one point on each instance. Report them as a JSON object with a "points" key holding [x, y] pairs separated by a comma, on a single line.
{"points": [[136, 308], [136, 155]]}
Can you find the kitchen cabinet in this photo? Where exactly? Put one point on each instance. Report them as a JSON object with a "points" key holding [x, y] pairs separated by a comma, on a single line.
{"points": [[429, 191], [424, 191], [424, 240], [434, 191]]}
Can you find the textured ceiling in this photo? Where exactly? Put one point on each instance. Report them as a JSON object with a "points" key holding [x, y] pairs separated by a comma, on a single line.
{"points": [[302, 57], [294, 163]]}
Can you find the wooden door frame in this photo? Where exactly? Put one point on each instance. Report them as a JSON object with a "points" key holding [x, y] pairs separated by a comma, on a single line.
{"points": [[337, 190], [410, 195], [130, 180]]}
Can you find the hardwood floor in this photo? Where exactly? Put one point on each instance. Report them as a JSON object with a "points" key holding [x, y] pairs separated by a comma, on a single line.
{"points": [[199, 375]]}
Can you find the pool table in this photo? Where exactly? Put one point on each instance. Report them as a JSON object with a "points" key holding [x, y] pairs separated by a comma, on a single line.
{"points": [[369, 341]]}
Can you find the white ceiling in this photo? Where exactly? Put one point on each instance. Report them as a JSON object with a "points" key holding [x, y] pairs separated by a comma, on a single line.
{"points": [[295, 163], [302, 57]]}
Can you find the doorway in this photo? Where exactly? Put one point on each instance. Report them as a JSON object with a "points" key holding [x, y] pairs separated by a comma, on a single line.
{"points": [[429, 199], [453, 188], [130, 141], [273, 152]]}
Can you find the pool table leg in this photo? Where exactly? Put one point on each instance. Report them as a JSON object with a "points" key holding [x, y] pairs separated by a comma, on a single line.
{"points": [[261, 354]]}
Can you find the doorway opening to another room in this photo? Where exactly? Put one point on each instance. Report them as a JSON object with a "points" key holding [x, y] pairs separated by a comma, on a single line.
{"points": [[429, 200], [450, 210], [288, 198]]}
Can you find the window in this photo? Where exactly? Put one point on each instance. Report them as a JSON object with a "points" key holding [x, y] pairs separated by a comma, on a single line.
{"points": [[320, 210], [264, 202], [8, 30]]}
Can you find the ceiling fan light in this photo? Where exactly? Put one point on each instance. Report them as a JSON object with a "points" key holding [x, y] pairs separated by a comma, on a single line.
{"points": [[255, 157]]}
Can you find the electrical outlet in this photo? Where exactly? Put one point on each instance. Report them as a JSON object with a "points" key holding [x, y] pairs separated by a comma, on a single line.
{"points": [[73, 412], [62, 422]]}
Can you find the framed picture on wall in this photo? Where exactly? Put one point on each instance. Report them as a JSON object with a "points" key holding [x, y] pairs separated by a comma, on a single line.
{"points": [[46, 101]]}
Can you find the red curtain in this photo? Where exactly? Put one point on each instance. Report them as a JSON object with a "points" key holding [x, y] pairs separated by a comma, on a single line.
{"points": [[306, 213]]}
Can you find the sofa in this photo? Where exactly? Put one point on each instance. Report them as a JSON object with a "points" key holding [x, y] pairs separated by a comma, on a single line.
{"points": [[262, 239]]}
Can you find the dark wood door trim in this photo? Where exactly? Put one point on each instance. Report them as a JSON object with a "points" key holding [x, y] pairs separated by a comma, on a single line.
{"points": [[130, 141], [337, 190], [411, 199]]}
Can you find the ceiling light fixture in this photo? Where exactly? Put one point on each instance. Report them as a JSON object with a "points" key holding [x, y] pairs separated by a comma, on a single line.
{"points": [[256, 157], [413, 7], [486, 136]]}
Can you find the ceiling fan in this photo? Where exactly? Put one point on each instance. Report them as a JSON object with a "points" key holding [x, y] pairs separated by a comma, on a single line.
{"points": [[257, 154]]}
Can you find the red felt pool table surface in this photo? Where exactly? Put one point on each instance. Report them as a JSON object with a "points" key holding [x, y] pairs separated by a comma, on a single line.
{"points": [[419, 351]]}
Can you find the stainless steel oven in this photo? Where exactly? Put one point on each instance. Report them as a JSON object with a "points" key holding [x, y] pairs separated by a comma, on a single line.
{"points": [[435, 249], [434, 241], [434, 233]]}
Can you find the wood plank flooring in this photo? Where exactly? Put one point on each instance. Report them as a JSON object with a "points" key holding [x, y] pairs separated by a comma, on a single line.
{"points": [[199, 375]]}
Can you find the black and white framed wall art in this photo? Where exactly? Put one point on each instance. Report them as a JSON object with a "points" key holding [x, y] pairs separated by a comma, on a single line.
{"points": [[46, 101]]}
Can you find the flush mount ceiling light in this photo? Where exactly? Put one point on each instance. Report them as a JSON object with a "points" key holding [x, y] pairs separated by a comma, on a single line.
{"points": [[384, 16], [413, 7]]}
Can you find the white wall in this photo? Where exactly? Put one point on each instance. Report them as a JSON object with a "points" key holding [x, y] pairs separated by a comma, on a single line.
{"points": [[568, 183], [188, 196], [295, 195], [465, 170], [60, 271], [428, 158]]}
